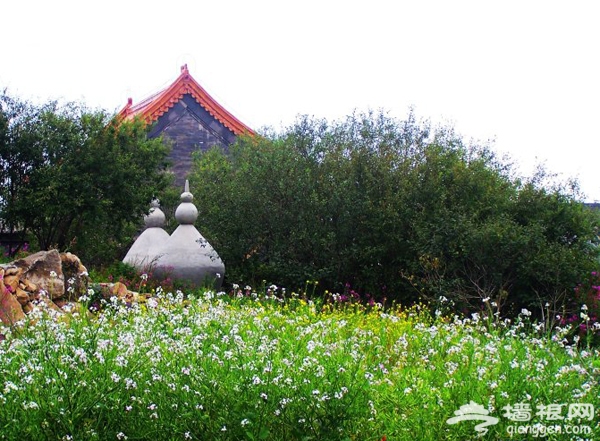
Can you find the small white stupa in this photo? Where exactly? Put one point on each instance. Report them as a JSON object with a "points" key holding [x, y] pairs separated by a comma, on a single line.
{"points": [[186, 255], [145, 250]]}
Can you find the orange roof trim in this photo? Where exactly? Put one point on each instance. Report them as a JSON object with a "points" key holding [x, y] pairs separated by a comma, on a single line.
{"points": [[153, 107]]}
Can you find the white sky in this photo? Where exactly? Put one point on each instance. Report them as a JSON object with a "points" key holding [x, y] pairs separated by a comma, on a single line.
{"points": [[525, 73]]}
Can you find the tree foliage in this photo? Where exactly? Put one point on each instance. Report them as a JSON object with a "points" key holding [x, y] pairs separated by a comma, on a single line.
{"points": [[396, 209], [74, 178]]}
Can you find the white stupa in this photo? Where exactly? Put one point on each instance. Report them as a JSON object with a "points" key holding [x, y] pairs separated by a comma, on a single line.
{"points": [[186, 255], [144, 252]]}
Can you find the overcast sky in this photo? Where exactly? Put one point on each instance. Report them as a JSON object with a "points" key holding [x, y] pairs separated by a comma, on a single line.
{"points": [[525, 73]]}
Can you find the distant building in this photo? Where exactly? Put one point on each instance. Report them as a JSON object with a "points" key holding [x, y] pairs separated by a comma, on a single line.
{"points": [[189, 118], [593, 205]]}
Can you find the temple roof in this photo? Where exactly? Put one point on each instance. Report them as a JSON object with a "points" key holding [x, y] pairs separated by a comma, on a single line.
{"points": [[156, 105]]}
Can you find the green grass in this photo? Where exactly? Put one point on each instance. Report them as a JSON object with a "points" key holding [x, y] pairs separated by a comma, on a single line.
{"points": [[221, 368]]}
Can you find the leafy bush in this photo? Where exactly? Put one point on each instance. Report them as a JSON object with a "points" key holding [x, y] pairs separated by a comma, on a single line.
{"points": [[395, 209], [74, 178]]}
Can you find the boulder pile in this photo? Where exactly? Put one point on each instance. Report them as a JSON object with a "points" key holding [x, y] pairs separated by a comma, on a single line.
{"points": [[49, 277]]}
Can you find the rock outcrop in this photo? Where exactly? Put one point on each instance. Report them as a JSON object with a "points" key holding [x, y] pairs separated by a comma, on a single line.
{"points": [[48, 277], [11, 310]]}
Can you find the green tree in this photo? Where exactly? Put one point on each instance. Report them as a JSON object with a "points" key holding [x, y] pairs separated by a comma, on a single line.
{"points": [[76, 179], [317, 202], [395, 209], [482, 234]]}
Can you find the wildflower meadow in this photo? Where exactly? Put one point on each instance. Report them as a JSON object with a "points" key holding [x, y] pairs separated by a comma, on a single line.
{"points": [[217, 366], [382, 214]]}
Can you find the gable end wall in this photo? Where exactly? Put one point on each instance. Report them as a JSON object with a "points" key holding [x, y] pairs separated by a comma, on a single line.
{"points": [[188, 127]]}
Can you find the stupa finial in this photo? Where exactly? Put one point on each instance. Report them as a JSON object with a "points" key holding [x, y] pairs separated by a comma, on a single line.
{"points": [[155, 217], [186, 196], [186, 213]]}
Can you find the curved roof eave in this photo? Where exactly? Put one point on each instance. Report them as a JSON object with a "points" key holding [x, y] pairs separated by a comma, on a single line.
{"points": [[156, 105]]}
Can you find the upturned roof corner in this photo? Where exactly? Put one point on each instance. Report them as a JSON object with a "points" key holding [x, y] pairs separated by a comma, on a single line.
{"points": [[153, 107]]}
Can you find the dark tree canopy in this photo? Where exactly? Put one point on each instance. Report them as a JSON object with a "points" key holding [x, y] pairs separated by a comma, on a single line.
{"points": [[74, 178], [395, 209]]}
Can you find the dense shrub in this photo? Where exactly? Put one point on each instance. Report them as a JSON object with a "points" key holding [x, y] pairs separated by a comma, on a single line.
{"points": [[75, 179], [396, 209]]}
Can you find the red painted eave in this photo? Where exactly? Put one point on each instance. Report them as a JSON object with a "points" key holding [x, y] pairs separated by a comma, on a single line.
{"points": [[156, 105]]}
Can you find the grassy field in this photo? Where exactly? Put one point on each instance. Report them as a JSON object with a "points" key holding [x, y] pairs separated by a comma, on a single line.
{"points": [[215, 367]]}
